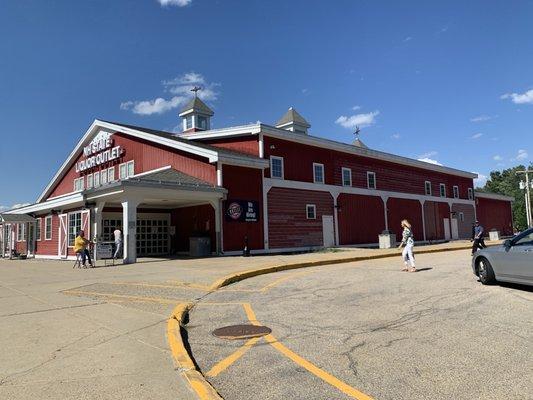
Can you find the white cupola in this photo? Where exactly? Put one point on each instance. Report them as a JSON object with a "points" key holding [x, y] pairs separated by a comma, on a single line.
{"points": [[293, 121], [196, 116]]}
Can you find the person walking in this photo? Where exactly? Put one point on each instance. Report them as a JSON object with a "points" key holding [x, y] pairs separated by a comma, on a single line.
{"points": [[479, 242], [117, 233], [408, 241], [80, 247]]}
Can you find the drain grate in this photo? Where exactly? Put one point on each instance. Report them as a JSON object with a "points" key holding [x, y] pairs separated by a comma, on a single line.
{"points": [[234, 332]]}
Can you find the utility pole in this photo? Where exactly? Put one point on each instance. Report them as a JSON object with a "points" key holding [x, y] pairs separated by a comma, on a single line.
{"points": [[527, 186]]}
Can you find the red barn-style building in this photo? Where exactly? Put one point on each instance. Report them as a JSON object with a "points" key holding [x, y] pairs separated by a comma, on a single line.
{"points": [[275, 188]]}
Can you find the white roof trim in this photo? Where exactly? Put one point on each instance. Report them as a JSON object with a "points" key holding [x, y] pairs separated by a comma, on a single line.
{"points": [[211, 155], [494, 196], [326, 143]]}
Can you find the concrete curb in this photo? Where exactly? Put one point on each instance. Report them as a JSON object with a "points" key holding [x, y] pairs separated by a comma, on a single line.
{"points": [[239, 276], [183, 362]]}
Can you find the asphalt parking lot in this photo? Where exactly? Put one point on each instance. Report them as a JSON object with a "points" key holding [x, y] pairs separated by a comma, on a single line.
{"points": [[369, 331]]}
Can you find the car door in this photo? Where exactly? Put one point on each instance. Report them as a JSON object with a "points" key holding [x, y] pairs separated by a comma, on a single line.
{"points": [[519, 263]]}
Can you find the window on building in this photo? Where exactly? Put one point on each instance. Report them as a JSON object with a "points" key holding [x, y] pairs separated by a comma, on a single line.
{"points": [[202, 122], [90, 181], [427, 186], [470, 194], [126, 170], [103, 177], [131, 168], [310, 211], [276, 167], [318, 173], [38, 229], [188, 122], [456, 192], [442, 190], [96, 179], [346, 177], [48, 228], [371, 180], [462, 217], [21, 232], [111, 174], [79, 184], [74, 226]]}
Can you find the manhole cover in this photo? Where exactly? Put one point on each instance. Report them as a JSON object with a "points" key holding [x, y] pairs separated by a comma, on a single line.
{"points": [[241, 331]]}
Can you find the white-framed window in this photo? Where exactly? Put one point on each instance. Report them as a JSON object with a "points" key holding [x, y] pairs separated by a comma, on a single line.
{"points": [[442, 187], [371, 180], [126, 170], [79, 184], [21, 232], [103, 177], [276, 167], [188, 122], [90, 181], [310, 211], [470, 194], [201, 122], [318, 173], [96, 179], [131, 168], [48, 228], [38, 229], [74, 226], [427, 187], [456, 192], [346, 176], [462, 216], [111, 174]]}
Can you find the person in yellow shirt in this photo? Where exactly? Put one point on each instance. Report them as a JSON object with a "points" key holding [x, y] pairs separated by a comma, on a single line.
{"points": [[80, 246]]}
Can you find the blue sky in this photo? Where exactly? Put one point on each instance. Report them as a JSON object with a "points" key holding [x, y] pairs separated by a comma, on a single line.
{"points": [[447, 81]]}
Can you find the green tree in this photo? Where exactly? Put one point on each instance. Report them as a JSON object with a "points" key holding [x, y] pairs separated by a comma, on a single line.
{"points": [[507, 182]]}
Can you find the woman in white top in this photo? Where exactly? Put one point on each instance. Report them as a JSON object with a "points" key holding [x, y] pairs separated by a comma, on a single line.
{"points": [[408, 241], [117, 233]]}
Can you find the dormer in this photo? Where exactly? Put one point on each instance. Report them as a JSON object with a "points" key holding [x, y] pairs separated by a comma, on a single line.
{"points": [[293, 121], [196, 116]]}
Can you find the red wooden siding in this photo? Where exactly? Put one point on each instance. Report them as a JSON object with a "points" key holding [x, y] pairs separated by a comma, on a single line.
{"points": [[193, 220], [147, 156], [361, 218], [434, 213], [288, 225], [495, 214], [465, 228], [400, 209], [243, 184], [299, 158], [242, 144]]}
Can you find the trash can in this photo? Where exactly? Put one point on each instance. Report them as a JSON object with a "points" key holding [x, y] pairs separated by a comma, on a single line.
{"points": [[494, 235], [199, 246], [387, 240]]}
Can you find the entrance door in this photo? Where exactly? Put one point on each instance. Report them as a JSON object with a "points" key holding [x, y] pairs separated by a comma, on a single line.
{"points": [[446, 222], [455, 229], [63, 236], [328, 231]]}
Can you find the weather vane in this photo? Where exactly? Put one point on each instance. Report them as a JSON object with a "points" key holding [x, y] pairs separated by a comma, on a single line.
{"points": [[195, 90], [357, 132]]}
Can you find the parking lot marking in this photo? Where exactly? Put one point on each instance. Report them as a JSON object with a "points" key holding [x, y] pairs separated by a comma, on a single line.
{"points": [[283, 279], [232, 358], [156, 285], [320, 373], [125, 297]]}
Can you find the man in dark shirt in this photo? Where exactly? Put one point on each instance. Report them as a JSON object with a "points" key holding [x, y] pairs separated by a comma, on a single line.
{"points": [[477, 237]]}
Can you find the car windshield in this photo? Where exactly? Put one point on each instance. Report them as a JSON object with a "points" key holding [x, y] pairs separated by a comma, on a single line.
{"points": [[524, 239]]}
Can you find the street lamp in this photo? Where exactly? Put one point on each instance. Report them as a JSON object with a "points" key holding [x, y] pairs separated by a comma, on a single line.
{"points": [[527, 185]]}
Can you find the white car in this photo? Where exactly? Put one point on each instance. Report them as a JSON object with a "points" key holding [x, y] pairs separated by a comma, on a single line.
{"points": [[510, 262]]}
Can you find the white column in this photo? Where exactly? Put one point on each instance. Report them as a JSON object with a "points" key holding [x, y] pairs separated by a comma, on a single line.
{"points": [[385, 199], [220, 181], [217, 206], [129, 220], [261, 146], [265, 213], [97, 219], [423, 219], [336, 216]]}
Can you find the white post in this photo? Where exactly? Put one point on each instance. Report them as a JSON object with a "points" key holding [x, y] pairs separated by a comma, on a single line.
{"points": [[528, 201], [129, 220], [336, 216], [217, 206], [97, 219], [220, 181], [422, 202], [385, 199]]}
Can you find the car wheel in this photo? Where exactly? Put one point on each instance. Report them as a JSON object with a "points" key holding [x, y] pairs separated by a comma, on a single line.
{"points": [[485, 271]]}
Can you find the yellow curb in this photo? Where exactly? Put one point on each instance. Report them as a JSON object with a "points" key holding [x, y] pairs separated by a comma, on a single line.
{"points": [[183, 361], [239, 276]]}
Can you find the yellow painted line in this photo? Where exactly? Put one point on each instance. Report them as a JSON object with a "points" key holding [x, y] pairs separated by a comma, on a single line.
{"points": [[320, 373], [125, 297], [156, 285], [232, 358], [190, 284], [283, 279]]}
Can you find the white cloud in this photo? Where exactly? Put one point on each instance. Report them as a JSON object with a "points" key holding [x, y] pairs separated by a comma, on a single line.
{"points": [[481, 180], [429, 154], [3, 208], [178, 3], [476, 136], [396, 136], [517, 98], [408, 39], [429, 160], [355, 108], [483, 118], [180, 87], [360, 120], [521, 155], [497, 158], [305, 91]]}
